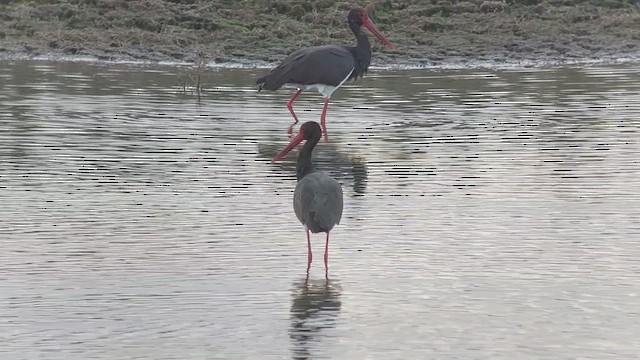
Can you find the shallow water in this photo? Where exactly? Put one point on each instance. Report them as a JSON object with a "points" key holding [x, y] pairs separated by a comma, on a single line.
{"points": [[488, 214]]}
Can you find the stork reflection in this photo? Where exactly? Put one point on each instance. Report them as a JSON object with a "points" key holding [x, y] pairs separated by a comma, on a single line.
{"points": [[315, 305]]}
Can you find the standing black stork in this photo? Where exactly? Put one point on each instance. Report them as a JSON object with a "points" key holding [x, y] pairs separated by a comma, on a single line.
{"points": [[317, 200], [325, 68]]}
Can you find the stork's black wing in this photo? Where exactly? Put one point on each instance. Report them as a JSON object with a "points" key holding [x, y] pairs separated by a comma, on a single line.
{"points": [[327, 65]]}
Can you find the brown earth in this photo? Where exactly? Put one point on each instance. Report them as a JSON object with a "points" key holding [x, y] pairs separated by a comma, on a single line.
{"points": [[426, 32]]}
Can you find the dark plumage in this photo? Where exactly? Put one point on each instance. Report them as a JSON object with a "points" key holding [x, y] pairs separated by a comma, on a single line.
{"points": [[323, 59]]}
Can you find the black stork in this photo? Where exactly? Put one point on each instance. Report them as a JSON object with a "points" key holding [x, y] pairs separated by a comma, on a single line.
{"points": [[325, 68], [317, 200]]}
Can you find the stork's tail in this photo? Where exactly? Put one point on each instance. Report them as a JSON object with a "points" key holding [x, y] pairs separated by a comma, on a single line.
{"points": [[261, 82]]}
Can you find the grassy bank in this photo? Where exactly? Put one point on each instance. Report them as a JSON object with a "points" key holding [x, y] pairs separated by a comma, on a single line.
{"points": [[426, 31]]}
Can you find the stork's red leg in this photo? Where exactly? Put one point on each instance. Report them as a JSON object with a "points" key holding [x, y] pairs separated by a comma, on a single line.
{"points": [[309, 254], [323, 118], [290, 107], [326, 252]]}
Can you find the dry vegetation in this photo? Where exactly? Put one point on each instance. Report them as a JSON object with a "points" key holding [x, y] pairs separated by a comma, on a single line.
{"points": [[221, 30]]}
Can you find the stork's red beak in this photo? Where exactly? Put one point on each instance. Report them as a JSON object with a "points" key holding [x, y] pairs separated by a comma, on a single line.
{"points": [[294, 142], [374, 30]]}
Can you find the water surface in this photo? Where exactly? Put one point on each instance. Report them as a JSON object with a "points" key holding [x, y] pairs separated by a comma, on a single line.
{"points": [[488, 214]]}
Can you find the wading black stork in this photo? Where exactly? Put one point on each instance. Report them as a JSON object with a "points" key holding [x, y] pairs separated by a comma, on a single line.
{"points": [[325, 68], [317, 200]]}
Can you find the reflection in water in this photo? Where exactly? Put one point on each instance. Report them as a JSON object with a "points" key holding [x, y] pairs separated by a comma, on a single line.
{"points": [[349, 169], [515, 191], [315, 306]]}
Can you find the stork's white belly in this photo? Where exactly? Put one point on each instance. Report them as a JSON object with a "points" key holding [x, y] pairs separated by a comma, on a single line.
{"points": [[325, 90]]}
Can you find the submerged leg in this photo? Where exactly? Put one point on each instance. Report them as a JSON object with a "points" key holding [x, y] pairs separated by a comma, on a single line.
{"points": [[326, 253], [323, 118], [309, 254], [290, 107]]}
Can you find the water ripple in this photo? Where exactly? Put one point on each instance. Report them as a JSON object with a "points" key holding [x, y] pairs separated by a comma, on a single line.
{"points": [[488, 214]]}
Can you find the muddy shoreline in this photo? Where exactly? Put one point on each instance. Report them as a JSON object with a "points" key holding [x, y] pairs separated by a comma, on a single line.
{"points": [[454, 34]]}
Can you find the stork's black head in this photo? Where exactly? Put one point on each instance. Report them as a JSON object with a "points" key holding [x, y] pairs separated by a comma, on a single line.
{"points": [[358, 17], [311, 130]]}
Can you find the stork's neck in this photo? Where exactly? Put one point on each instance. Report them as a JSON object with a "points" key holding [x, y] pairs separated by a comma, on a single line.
{"points": [[363, 49], [361, 52], [304, 165]]}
